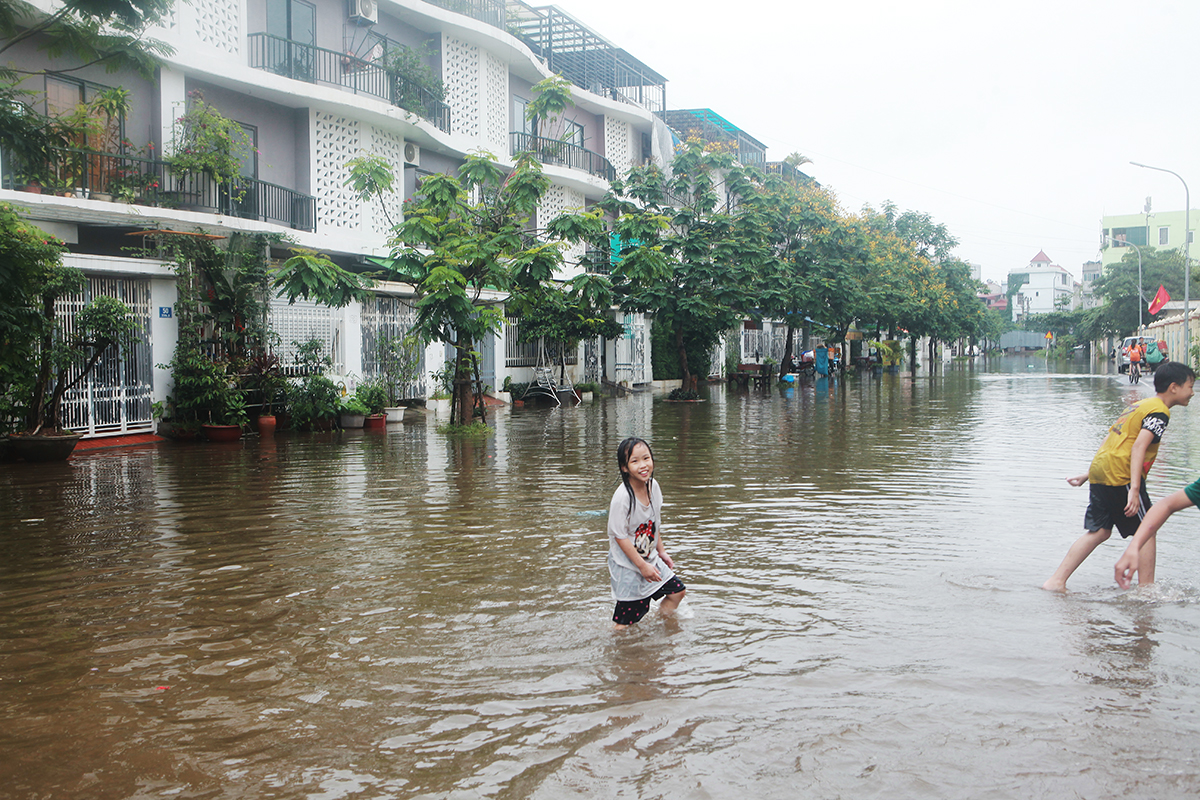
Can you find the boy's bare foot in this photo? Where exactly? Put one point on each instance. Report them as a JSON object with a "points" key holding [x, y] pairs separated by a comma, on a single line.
{"points": [[1055, 586]]}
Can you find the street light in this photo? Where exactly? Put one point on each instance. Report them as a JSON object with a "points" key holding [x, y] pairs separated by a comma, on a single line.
{"points": [[1141, 295], [1187, 264]]}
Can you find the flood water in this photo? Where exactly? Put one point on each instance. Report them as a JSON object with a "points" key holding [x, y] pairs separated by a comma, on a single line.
{"points": [[401, 615]]}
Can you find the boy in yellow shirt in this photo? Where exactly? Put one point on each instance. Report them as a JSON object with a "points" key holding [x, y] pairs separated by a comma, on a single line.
{"points": [[1118, 496]]}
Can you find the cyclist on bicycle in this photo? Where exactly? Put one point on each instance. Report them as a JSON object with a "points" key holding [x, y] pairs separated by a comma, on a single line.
{"points": [[1137, 351]]}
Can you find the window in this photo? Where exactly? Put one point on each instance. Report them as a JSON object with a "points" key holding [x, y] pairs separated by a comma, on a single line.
{"points": [[1163, 235], [520, 122], [250, 159], [573, 133], [293, 20], [291, 54], [1190, 239]]}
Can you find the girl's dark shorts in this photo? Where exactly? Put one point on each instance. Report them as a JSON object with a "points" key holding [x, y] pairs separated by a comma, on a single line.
{"points": [[1106, 509], [630, 611]]}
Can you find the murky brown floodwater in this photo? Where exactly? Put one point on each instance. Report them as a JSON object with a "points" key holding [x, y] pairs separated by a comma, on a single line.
{"points": [[401, 616]]}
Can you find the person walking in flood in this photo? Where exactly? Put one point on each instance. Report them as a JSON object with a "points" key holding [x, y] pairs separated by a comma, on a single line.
{"points": [[1118, 472], [638, 564]]}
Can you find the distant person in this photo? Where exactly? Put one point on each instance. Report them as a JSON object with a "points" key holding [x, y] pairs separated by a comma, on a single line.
{"points": [[1136, 353], [638, 564], [1118, 494], [1140, 552]]}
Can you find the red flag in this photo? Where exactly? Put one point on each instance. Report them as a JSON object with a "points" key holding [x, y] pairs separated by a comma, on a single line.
{"points": [[1161, 298]]}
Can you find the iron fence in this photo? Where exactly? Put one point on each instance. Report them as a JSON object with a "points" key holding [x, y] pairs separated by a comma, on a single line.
{"points": [[493, 12], [564, 154], [133, 179], [319, 65]]}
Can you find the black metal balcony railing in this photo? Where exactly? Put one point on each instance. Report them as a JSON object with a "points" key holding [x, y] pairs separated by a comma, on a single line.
{"points": [[598, 261], [149, 182], [317, 65], [564, 154], [493, 12]]}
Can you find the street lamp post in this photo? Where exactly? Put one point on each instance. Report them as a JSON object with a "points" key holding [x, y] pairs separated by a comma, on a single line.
{"points": [[1187, 264], [1141, 294]]}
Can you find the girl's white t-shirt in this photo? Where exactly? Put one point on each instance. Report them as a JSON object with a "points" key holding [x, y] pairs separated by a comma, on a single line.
{"points": [[644, 526]]}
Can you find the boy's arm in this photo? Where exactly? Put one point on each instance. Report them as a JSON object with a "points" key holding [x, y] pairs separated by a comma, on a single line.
{"points": [[1078, 480], [1137, 458], [1127, 565], [648, 572]]}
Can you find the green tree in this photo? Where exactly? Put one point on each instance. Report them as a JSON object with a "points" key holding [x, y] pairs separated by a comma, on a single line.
{"points": [[1118, 287], [107, 32], [711, 246], [466, 241]]}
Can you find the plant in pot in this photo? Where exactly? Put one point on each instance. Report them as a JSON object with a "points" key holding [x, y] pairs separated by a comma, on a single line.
{"points": [[373, 395], [99, 121], [399, 369], [206, 396], [313, 404], [45, 357], [206, 142], [265, 378], [353, 411]]}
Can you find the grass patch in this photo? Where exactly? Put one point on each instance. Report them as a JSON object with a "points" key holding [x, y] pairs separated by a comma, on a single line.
{"points": [[473, 429]]}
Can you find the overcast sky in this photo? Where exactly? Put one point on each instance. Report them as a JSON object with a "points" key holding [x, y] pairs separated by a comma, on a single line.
{"points": [[1012, 123]]}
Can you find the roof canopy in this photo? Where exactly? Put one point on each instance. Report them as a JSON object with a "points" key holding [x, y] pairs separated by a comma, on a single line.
{"points": [[586, 58]]}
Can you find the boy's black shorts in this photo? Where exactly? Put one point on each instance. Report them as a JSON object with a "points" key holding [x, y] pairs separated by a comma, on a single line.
{"points": [[1106, 509]]}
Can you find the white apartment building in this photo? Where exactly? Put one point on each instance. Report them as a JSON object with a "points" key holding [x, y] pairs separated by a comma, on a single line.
{"points": [[1049, 288], [309, 82]]}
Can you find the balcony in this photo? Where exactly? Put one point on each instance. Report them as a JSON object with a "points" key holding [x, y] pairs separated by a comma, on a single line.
{"points": [[493, 12], [317, 65], [147, 182], [563, 154]]}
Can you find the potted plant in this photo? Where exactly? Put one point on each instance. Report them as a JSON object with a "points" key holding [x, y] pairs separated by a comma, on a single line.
{"points": [[265, 378], [206, 142], [399, 368], [313, 403], [373, 395], [352, 411], [206, 396], [100, 121], [44, 357]]}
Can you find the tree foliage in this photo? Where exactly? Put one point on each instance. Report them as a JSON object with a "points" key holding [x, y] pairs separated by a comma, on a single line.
{"points": [[111, 33], [1118, 286]]}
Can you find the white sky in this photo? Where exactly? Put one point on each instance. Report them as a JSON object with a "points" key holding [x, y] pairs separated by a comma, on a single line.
{"points": [[1013, 123]]}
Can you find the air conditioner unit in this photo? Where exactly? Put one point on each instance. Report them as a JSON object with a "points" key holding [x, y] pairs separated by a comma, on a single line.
{"points": [[412, 154], [364, 12]]}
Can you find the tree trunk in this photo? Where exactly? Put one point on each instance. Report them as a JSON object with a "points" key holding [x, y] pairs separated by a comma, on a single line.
{"points": [[785, 363], [685, 373], [912, 353], [37, 410], [479, 403]]}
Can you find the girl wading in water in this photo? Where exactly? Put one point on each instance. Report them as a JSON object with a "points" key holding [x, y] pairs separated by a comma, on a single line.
{"points": [[638, 563]]}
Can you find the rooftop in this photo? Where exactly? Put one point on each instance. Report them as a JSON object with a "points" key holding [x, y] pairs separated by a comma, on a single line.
{"points": [[586, 58]]}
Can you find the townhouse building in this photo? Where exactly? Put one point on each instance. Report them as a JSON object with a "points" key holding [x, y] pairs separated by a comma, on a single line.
{"points": [[315, 83]]}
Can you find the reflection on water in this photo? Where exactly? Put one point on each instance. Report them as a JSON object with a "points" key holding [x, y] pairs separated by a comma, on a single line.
{"points": [[402, 615]]}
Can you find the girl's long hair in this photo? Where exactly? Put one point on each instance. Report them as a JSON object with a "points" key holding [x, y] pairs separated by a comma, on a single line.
{"points": [[624, 449]]}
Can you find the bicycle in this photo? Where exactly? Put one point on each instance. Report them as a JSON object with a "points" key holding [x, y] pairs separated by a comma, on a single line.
{"points": [[1135, 371]]}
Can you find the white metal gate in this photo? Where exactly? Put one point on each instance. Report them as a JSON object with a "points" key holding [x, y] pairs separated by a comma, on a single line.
{"points": [[115, 397], [383, 318], [631, 349], [299, 322]]}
